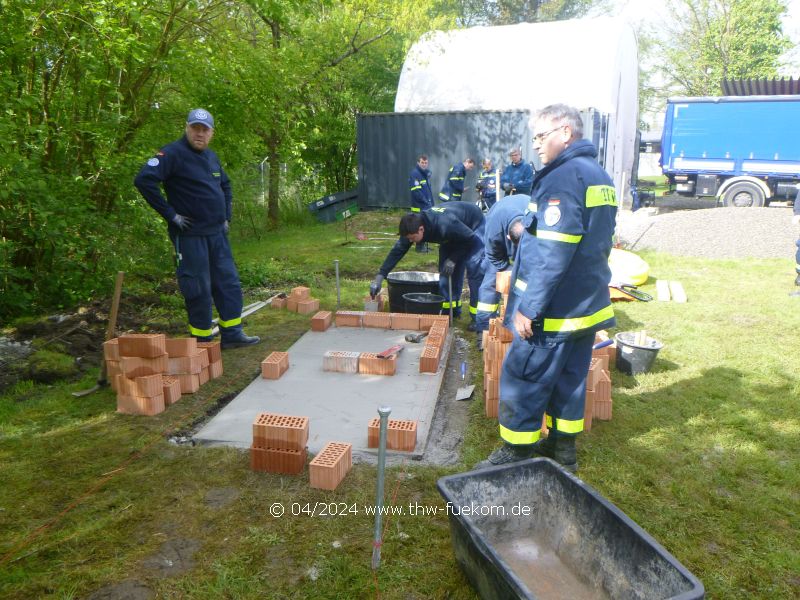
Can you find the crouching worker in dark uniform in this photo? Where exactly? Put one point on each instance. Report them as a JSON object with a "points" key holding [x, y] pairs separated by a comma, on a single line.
{"points": [[559, 294], [458, 229], [197, 210], [503, 230]]}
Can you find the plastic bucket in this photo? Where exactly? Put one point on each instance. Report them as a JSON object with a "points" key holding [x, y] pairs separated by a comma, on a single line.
{"points": [[423, 304], [408, 282], [633, 358]]}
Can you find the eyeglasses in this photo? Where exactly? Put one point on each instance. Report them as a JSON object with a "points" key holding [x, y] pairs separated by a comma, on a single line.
{"points": [[540, 137]]}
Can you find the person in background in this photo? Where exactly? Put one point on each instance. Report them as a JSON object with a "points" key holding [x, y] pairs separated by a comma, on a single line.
{"points": [[453, 187], [517, 177], [197, 209], [487, 185], [559, 294], [419, 183], [458, 229], [503, 230]]}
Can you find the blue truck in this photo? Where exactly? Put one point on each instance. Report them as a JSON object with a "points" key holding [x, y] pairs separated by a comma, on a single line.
{"points": [[741, 150]]}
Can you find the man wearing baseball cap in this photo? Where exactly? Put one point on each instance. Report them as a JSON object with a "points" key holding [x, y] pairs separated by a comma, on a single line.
{"points": [[197, 209]]}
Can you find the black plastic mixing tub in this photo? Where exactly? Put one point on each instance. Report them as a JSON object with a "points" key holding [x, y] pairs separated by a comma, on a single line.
{"points": [[532, 530], [409, 282]]}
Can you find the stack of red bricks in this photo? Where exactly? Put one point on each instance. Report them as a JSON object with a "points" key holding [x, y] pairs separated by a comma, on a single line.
{"points": [[299, 301], [279, 443], [400, 434], [437, 327], [150, 371], [598, 383], [193, 363], [497, 341]]}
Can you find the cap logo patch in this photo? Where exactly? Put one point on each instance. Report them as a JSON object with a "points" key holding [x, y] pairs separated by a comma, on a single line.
{"points": [[552, 215], [555, 201], [153, 162], [201, 114]]}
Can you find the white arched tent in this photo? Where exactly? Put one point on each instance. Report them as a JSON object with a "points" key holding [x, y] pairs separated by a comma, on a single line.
{"points": [[586, 63]]}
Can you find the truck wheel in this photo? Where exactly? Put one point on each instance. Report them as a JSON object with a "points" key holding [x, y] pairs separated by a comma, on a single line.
{"points": [[743, 194]]}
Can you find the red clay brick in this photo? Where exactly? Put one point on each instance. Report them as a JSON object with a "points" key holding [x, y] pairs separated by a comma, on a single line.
{"points": [[429, 360], [213, 349], [378, 320], [204, 376], [215, 369], [136, 366], [349, 318], [340, 361], [588, 410], [189, 383], [330, 466], [502, 281], [300, 293], [146, 387], [306, 307], [112, 370], [602, 398], [111, 349], [277, 460], [272, 430], [172, 390], [427, 321], [370, 364], [405, 321], [279, 302], [322, 320], [186, 364], [136, 405], [144, 345], [491, 396], [291, 304], [400, 434], [181, 346], [275, 365]]}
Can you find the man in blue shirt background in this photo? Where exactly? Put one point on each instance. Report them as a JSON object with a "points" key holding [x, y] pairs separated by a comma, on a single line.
{"points": [[517, 178]]}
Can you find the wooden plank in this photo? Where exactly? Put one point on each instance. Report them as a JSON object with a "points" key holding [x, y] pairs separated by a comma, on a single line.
{"points": [[677, 291], [662, 290]]}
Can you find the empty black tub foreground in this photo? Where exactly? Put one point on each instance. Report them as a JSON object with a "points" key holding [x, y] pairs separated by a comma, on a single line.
{"points": [[532, 530]]}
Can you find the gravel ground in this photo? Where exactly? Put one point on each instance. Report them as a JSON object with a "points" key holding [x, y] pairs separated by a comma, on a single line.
{"points": [[711, 232]]}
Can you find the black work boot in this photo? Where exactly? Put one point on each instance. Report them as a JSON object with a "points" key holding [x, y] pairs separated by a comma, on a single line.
{"points": [[507, 453], [560, 447], [546, 446], [239, 340]]}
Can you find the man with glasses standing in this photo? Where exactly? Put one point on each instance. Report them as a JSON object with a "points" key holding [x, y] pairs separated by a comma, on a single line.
{"points": [[559, 294], [517, 177]]}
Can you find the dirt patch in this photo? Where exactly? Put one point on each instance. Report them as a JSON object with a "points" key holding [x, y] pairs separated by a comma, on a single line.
{"points": [[176, 556], [126, 590], [221, 497]]}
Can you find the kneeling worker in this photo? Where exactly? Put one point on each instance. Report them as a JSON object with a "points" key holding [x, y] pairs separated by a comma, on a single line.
{"points": [[503, 230], [458, 229], [559, 294]]}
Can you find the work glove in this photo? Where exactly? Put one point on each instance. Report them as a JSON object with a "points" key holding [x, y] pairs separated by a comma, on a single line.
{"points": [[182, 222], [795, 219], [447, 268], [226, 227], [375, 286]]}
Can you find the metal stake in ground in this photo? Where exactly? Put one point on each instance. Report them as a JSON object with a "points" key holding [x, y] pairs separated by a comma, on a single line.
{"points": [[338, 289], [450, 295], [384, 412]]}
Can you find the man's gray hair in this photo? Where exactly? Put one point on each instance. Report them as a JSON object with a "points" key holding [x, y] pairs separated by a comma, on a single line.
{"points": [[565, 115]]}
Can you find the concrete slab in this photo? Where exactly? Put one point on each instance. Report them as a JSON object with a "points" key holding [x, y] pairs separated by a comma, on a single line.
{"points": [[339, 405]]}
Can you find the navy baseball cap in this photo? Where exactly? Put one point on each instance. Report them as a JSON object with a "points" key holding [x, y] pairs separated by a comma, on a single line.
{"points": [[200, 115]]}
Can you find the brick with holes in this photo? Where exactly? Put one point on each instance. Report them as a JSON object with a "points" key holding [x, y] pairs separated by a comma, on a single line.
{"points": [[277, 460], [275, 365], [400, 434], [273, 430], [328, 468], [322, 320]]}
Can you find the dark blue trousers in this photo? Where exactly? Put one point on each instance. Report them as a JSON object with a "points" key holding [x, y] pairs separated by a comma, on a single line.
{"points": [[472, 263], [206, 272], [543, 376], [488, 297]]}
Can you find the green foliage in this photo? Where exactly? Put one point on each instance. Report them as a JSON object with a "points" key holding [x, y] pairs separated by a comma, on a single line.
{"points": [[712, 40]]}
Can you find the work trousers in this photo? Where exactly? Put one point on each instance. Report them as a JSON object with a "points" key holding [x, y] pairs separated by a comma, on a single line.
{"points": [[472, 263], [488, 297], [206, 272], [541, 376]]}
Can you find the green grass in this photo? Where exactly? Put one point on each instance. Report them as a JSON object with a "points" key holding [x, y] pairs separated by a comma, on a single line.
{"points": [[702, 453]]}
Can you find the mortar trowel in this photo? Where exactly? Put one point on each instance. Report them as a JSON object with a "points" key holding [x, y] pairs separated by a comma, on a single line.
{"points": [[465, 391]]}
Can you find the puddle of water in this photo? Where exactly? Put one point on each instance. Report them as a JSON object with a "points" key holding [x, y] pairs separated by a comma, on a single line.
{"points": [[543, 572]]}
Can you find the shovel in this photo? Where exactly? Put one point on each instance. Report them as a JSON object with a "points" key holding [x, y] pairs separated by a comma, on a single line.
{"points": [[465, 391], [102, 379]]}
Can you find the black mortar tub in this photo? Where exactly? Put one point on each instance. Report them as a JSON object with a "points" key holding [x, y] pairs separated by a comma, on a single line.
{"points": [[423, 304], [532, 530], [408, 282]]}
